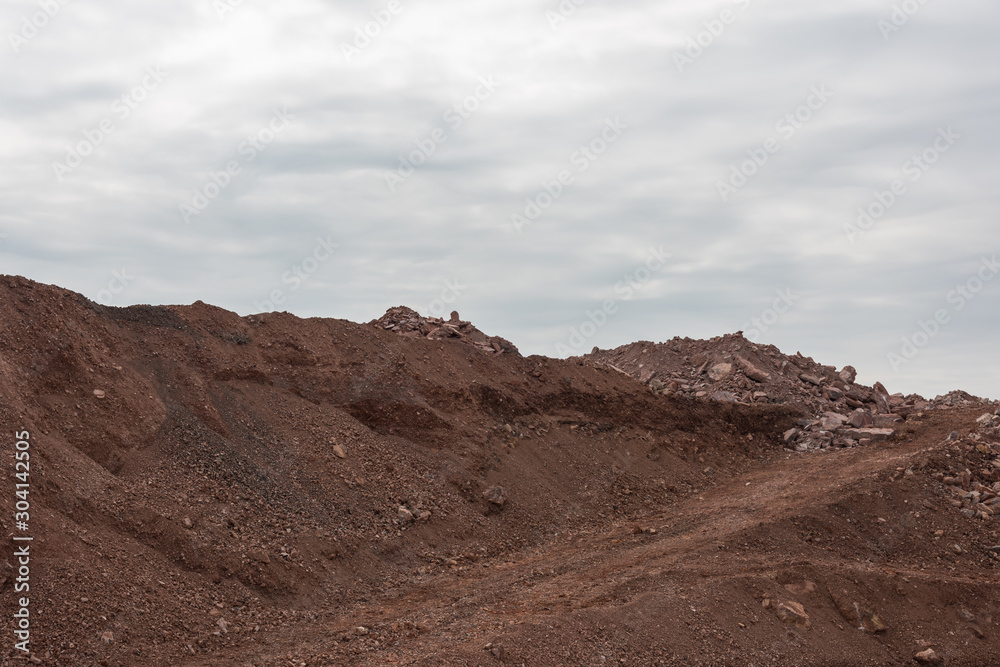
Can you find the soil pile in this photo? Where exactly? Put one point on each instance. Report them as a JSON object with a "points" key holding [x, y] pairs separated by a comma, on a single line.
{"points": [[209, 489]]}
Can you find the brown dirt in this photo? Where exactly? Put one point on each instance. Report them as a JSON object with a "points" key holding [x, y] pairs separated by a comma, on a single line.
{"points": [[242, 492]]}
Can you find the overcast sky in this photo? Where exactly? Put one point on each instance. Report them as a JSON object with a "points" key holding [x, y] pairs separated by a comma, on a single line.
{"points": [[660, 168]]}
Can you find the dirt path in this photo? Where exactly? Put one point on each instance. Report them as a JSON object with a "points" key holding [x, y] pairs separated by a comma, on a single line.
{"points": [[703, 560]]}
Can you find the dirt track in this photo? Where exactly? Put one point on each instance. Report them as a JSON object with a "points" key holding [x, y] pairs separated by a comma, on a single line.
{"points": [[216, 490], [679, 596]]}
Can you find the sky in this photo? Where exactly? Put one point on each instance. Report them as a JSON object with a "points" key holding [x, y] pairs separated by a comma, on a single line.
{"points": [[820, 176]]}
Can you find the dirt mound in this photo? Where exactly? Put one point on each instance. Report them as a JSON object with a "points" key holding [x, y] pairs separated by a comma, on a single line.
{"points": [[209, 489]]}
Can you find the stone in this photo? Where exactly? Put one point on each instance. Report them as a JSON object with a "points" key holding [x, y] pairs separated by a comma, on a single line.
{"points": [[802, 588], [833, 393], [99, 393], [454, 316], [886, 421], [751, 371], [858, 614], [928, 657], [188, 523], [849, 374], [793, 613], [870, 434], [985, 419], [724, 397], [790, 434], [496, 495], [881, 397], [403, 515], [831, 424], [339, 452], [497, 651], [720, 372], [860, 418], [811, 379]]}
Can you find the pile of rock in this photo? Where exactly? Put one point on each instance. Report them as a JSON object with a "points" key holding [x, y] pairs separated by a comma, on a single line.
{"points": [[958, 399], [874, 418], [833, 430], [410, 324], [973, 480], [733, 369]]}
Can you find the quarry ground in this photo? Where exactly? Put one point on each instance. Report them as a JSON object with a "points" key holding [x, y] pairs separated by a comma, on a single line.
{"points": [[208, 489]]}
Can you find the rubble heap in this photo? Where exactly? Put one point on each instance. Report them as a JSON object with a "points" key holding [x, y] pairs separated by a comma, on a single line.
{"points": [[732, 369], [410, 324], [970, 472]]}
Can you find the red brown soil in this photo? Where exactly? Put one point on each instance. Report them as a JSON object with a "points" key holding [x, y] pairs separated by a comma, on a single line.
{"points": [[199, 513]]}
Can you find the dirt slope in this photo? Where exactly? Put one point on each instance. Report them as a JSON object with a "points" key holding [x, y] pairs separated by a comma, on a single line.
{"points": [[214, 490]]}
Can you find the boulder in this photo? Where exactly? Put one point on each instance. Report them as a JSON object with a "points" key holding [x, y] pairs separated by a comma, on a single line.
{"points": [[720, 372], [724, 397], [860, 418], [751, 371], [793, 613], [869, 434], [496, 495], [858, 614], [881, 396], [928, 657]]}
